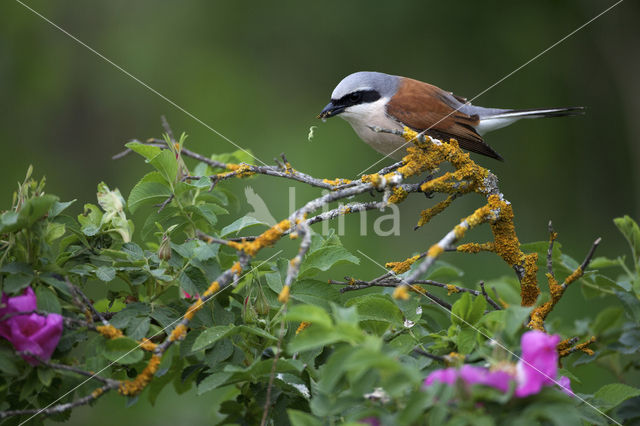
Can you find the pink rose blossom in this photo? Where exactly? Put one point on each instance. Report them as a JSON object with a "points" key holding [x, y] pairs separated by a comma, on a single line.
{"points": [[33, 333], [539, 363], [538, 367], [472, 376]]}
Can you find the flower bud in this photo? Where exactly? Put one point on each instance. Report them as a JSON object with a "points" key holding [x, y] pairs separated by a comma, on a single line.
{"points": [[262, 304], [164, 250]]}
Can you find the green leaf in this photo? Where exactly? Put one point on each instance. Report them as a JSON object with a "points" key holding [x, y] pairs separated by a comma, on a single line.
{"points": [[300, 418], [324, 259], [466, 340], [240, 224], [629, 228], [58, 207], [147, 193], [45, 375], [138, 327], [36, 208], [32, 211], [167, 165], [16, 282], [631, 304], [603, 262], [614, 394], [467, 311], [105, 273], [606, 319], [47, 300], [123, 350], [210, 336], [213, 381], [309, 313], [146, 151], [378, 307], [54, 231], [8, 363]]}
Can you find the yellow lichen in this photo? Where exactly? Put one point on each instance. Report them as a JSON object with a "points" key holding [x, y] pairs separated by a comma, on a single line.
{"points": [[435, 251], [213, 288], [451, 289], [574, 276], [239, 170], [398, 195], [97, 392], [135, 386], [147, 345], [404, 266], [337, 181], [236, 268], [302, 326], [193, 309], [401, 292], [109, 331], [374, 179], [566, 349], [267, 238], [475, 247], [427, 214], [283, 297], [178, 333]]}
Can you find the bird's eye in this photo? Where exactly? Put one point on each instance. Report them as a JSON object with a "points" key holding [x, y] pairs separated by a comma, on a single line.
{"points": [[355, 97]]}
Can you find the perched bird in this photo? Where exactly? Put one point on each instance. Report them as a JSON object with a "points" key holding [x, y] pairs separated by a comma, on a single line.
{"points": [[367, 99]]}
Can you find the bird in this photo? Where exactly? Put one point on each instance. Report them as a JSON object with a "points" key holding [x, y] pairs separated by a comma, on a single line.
{"points": [[368, 99]]}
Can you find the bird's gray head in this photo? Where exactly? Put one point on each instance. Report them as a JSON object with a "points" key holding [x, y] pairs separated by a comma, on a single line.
{"points": [[360, 88]]}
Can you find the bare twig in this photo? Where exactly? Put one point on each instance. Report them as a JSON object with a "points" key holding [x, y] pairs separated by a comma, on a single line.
{"points": [[489, 299]]}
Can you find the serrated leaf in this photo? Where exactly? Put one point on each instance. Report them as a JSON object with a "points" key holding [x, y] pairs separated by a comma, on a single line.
{"points": [[146, 151], [467, 311], [300, 418], [240, 224], [324, 259], [54, 231], [123, 350], [309, 313], [147, 193], [58, 207], [629, 228], [377, 307], [466, 340], [16, 282], [614, 394], [210, 336], [213, 381], [138, 327], [167, 164], [47, 300], [105, 273]]}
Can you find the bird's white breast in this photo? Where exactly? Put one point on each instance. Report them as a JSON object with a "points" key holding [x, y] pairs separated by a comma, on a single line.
{"points": [[374, 114]]}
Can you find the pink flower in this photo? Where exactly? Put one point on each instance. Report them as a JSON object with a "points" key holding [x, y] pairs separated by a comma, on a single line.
{"points": [[33, 333], [538, 367], [471, 375], [371, 421], [539, 363]]}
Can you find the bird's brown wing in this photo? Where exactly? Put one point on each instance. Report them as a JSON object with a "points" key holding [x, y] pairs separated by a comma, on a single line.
{"points": [[422, 106]]}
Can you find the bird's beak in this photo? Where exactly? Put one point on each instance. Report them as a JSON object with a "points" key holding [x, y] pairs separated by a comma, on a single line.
{"points": [[331, 110]]}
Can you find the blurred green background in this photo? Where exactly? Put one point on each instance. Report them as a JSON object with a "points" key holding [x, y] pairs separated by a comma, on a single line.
{"points": [[259, 72]]}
